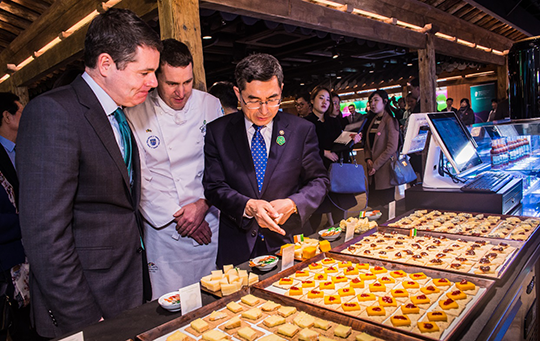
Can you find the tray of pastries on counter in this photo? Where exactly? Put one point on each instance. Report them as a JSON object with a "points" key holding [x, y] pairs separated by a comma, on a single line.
{"points": [[464, 254], [428, 303], [469, 224], [263, 317]]}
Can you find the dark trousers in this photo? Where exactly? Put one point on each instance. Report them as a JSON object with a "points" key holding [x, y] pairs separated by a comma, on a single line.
{"points": [[20, 328]]}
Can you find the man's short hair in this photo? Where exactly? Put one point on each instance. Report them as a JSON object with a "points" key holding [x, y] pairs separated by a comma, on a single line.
{"points": [[118, 32], [175, 53], [449, 99], [494, 101], [351, 105], [304, 95], [257, 67], [224, 91], [7, 103]]}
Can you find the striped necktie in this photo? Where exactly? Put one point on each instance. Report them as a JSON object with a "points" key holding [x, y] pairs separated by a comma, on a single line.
{"points": [[258, 152], [125, 132]]}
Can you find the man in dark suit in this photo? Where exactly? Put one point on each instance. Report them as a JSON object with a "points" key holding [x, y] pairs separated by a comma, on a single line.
{"points": [[80, 182], [12, 257], [262, 167]]}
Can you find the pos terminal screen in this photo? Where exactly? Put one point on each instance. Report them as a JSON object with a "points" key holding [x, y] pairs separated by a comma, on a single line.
{"points": [[456, 140]]}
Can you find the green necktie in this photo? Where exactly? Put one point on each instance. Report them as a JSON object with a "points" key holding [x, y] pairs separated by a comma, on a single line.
{"points": [[126, 137]]}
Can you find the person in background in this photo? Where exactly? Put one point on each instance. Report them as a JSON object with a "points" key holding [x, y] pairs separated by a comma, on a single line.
{"points": [[354, 115], [303, 105], [415, 92], [262, 167], [449, 107], [465, 112], [497, 111], [13, 267], [410, 104], [337, 110], [224, 91], [381, 143], [79, 174], [398, 106], [178, 220], [328, 128]]}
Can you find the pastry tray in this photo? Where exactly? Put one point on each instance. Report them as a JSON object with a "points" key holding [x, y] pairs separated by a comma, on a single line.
{"points": [[502, 218], [500, 271], [454, 330], [160, 333]]}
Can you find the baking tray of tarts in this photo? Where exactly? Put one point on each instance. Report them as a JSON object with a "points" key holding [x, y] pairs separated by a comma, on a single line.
{"points": [[414, 301], [467, 224], [255, 314], [486, 257]]}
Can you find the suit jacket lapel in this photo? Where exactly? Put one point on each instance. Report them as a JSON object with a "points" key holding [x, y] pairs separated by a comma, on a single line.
{"points": [[237, 132], [280, 128], [99, 121]]}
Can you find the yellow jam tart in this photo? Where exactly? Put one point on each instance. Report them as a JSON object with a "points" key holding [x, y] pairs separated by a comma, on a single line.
{"points": [[420, 299], [377, 287], [346, 292], [437, 316], [448, 304], [376, 311], [400, 320], [428, 327], [357, 283], [332, 299], [350, 306], [315, 294], [410, 309], [327, 285], [399, 293]]}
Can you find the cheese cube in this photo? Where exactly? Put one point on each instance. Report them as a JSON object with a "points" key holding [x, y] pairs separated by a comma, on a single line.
{"points": [[286, 311], [217, 274], [235, 322], [250, 300], [252, 314], [307, 334], [234, 307], [199, 325], [342, 331], [252, 278], [247, 333], [288, 329], [177, 336], [214, 335], [226, 268], [273, 321]]}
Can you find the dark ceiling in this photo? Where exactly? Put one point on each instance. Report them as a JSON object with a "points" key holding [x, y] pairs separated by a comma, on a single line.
{"points": [[309, 57]]}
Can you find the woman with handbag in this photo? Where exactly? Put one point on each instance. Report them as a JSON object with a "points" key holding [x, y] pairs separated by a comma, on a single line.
{"points": [[328, 128], [380, 145]]}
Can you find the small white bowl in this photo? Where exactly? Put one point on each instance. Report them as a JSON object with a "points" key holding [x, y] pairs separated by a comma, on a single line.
{"points": [[260, 264], [170, 301], [373, 216], [330, 234]]}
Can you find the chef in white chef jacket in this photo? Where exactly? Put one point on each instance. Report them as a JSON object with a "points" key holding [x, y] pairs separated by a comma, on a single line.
{"points": [[180, 229]]}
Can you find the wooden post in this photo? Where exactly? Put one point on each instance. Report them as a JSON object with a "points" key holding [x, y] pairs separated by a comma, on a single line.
{"points": [[427, 75], [179, 19], [502, 81]]}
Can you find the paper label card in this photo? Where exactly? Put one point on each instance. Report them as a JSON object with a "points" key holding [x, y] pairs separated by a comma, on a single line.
{"points": [[287, 257], [349, 232], [190, 298], [75, 337], [391, 210]]}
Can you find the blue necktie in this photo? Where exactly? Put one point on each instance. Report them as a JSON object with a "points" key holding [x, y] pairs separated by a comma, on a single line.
{"points": [[258, 152], [126, 137]]}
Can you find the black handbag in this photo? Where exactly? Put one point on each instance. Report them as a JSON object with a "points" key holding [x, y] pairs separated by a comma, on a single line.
{"points": [[402, 171], [347, 178]]}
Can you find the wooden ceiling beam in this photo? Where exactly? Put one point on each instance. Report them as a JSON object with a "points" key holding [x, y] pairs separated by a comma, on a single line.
{"points": [[62, 11], [17, 10], [14, 20], [36, 6], [10, 28], [420, 14]]}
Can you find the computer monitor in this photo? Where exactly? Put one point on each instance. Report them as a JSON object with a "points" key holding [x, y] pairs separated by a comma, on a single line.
{"points": [[416, 134], [450, 137]]}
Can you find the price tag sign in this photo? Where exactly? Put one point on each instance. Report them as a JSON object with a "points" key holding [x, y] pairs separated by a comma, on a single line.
{"points": [[287, 257], [391, 210], [190, 298], [349, 232], [75, 337]]}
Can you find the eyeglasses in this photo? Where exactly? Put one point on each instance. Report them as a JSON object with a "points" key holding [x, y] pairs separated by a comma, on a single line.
{"points": [[300, 104], [255, 104]]}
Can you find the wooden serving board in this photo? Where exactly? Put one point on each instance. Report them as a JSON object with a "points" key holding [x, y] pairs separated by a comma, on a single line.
{"points": [[161, 331]]}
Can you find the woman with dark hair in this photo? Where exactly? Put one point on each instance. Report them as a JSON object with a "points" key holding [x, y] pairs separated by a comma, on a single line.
{"points": [[465, 112], [381, 143], [328, 128]]}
